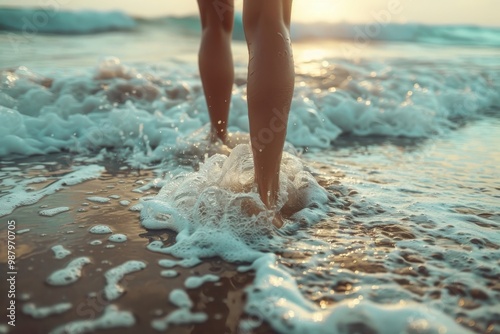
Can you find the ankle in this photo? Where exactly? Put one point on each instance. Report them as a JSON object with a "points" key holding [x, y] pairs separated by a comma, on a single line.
{"points": [[216, 136]]}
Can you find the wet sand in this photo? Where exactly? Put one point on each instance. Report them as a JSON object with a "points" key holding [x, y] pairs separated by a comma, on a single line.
{"points": [[147, 291], [363, 232]]}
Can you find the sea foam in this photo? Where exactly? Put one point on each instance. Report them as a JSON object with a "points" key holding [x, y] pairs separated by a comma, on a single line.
{"points": [[114, 275], [220, 199], [147, 113], [70, 274], [306, 286], [38, 312], [20, 194], [111, 318]]}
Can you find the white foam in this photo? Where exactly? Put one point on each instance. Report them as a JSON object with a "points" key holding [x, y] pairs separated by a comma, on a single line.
{"points": [[70, 274], [98, 199], [203, 206], [100, 229], [136, 208], [182, 316], [54, 211], [60, 252], [186, 263], [10, 169], [275, 297], [37, 167], [194, 282], [26, 230], [111, 318], [37, 180], [169, 273], [180, 298], [113, 276], [117, 237], [392, 98], [19, 196], [45, 311]]}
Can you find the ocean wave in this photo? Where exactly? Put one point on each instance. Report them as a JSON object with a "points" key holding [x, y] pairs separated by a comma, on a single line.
{"points": [[85, 22], [362, 33], [148, 111], [417, 33], [32, 21]]}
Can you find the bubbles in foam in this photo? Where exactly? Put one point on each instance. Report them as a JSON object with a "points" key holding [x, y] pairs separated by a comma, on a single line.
{"points": [[169, 273], [186, 263], [194, 282], [146, 110], [38, 312], [117, 237], [136, 208], [181, 316], [98, 199], [24, 230], [275, 297], [111, 318], [54, 211], [60, 252], [70, 274], [113, 276], [21, 195], [180, 298], [100, 229], [217, 212]]}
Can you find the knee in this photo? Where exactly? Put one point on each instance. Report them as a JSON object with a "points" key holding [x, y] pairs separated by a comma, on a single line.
{"points": [[259, 23], [216, 16]]}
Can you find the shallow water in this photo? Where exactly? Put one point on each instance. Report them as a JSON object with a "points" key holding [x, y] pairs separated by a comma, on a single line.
{"points": [[422, 225], [399, 230]]}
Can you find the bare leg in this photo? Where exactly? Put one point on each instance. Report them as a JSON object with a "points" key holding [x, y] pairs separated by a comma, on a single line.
{"points": [[270, 88], [216, 61]]}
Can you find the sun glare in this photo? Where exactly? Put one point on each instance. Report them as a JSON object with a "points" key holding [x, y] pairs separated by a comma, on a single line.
{"points": [[320, 10]]}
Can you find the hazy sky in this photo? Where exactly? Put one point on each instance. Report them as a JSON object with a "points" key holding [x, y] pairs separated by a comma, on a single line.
{"points": [[481, 12]]}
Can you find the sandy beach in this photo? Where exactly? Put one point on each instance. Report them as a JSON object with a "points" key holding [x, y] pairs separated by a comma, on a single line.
{"points": [[146, 292], [118, 218]]}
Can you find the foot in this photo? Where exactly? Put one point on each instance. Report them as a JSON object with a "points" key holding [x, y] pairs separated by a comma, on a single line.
{"points": [[236, 138], [214, 137], [278, 220], [217, 145], [252, 208]]}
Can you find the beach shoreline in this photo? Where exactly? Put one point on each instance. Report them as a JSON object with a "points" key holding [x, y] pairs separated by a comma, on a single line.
{"points": [[146, 292]]}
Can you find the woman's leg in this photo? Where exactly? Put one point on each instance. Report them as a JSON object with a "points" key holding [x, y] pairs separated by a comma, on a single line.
{"points": [[270, 88], [216, 61]]}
